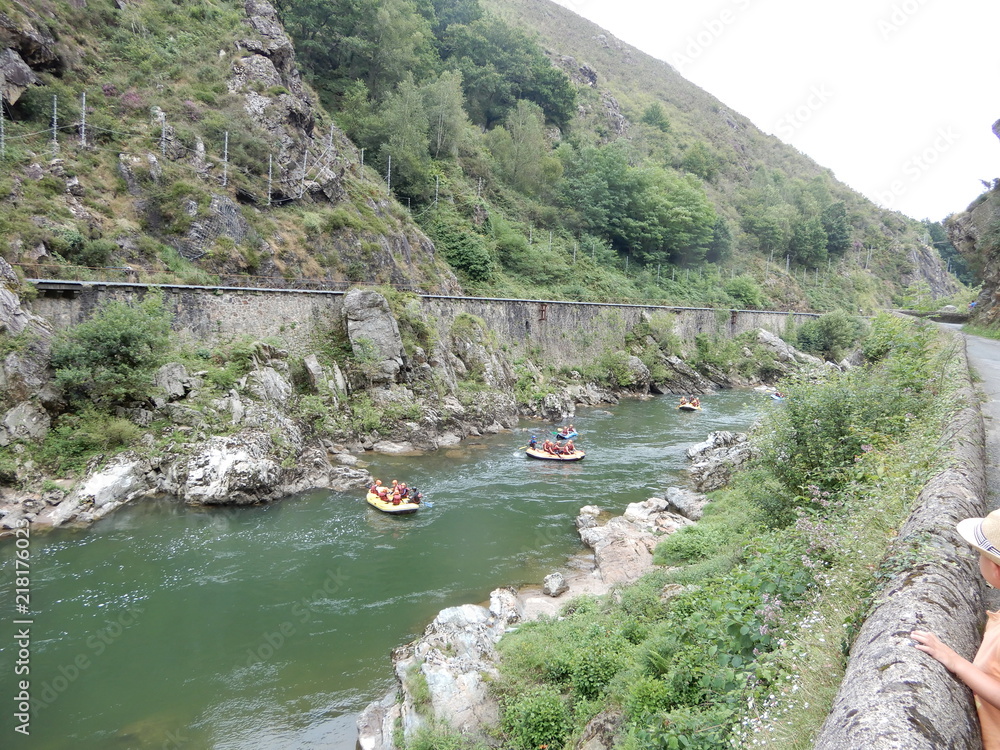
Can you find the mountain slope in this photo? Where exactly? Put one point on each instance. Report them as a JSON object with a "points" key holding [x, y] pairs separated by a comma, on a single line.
{"points": [[191, 145]]}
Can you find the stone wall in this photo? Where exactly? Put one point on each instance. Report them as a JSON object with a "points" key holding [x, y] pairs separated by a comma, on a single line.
{"points": [[572, 333]]}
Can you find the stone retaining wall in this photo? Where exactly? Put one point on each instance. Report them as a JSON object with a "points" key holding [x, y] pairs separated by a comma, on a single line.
{"points": [[571, 333]]}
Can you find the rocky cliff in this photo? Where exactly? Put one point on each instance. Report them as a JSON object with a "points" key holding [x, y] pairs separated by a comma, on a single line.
{"points": [[206, 200], [975, 233]]}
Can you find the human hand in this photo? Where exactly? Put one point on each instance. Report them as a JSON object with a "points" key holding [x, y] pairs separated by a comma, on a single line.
{"points": [[932, 645]]}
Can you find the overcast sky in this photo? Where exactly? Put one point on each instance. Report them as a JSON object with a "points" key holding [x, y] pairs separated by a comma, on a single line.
{"points": [[897, 97]]}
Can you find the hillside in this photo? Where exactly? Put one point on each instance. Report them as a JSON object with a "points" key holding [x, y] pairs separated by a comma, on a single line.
{"points": [[975, 232], [431, 147]]}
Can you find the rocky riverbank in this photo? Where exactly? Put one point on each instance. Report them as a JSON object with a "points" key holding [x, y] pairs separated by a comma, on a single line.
{"points": [[451, 665]]}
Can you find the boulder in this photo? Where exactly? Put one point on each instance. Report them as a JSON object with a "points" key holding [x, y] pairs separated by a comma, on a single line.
{"points": [[783, 352], [554, 584], [390, 447], [374, 333], [269, 386], [123, 479], [715, 459], [602, 731], [26, 421], [234, 470], [322, 382], [172, 380], [456, 660], [623, 546], [686, 503]]}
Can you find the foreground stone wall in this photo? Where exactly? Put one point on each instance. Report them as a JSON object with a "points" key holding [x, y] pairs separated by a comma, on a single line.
{"points": [[571, 333], [894, 696]]}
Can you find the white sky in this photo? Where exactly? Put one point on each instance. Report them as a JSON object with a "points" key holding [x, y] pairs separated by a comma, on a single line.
{"points": [[897, 97]]}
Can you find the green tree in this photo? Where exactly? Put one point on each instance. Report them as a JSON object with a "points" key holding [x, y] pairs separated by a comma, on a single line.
{"points": [[721, 245], [521, 148], [109, 359], [444, 105], [401, 45], [808, 243], [405, 122], [656, 117], [378, 42], [500, 65], [838, 231], [700, 160], [447, 12]]}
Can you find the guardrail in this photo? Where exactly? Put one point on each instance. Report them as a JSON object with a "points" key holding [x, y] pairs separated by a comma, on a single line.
{"points": [[52, 277]]}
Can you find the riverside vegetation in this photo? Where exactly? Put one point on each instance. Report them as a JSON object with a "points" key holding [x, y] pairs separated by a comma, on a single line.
{"points": [[766, 591]]}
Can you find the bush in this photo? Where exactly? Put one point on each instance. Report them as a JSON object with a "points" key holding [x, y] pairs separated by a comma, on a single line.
{"points": [[465, 249], [442, 738], [78, 437], [108, 360], [829, 335], [746, 292], [538, 718]]}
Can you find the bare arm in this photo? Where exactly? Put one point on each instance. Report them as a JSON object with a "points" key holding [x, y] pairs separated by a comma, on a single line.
{"points": [[982, 684]]}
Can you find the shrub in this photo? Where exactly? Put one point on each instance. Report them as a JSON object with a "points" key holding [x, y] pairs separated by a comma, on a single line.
{"points": [[829, 335], [538, 718], [746, 292], [108, 360], [78, 437]]}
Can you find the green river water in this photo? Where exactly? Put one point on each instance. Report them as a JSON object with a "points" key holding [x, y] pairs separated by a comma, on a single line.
{"points": [[168, 626]]}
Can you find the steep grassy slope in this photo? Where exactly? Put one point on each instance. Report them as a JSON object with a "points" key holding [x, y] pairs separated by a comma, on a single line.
{"points": [[203, 155]]}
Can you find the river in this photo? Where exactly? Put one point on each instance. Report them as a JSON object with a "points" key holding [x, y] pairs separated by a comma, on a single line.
{"points": [[267, 627]]}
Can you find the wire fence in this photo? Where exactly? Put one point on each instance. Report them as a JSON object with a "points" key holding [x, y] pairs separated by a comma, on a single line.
{"points": [[72, 129]]}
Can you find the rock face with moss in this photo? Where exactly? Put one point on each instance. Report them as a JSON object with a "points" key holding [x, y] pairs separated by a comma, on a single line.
{"points": [[975, 233]]}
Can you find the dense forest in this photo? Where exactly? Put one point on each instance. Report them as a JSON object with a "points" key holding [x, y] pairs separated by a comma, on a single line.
{"points": [[540, 158]]}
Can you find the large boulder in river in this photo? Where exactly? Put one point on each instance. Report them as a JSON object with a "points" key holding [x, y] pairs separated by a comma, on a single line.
{"points": [[124, 478], [455, 660], [239, 469]]}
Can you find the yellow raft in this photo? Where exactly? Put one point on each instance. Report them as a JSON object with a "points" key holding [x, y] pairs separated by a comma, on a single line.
{"points": [[546, 456], [387, 507]]}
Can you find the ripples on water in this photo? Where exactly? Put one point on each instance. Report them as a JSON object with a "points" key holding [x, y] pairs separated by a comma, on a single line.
{"points": [[271, 626]]}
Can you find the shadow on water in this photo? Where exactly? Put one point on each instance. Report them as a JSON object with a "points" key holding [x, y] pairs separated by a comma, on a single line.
{"points": [[271, 626]]}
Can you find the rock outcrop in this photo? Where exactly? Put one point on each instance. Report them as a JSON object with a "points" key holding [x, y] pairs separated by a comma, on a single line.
{"points": [[25, 46], [455, 658], [973, 234], [623, 546], [715, 459]]}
